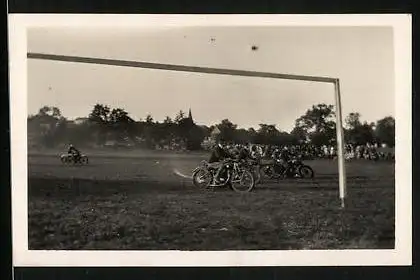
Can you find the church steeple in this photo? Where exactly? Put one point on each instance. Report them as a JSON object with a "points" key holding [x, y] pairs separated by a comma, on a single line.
{"points": [[190, 115], [190, 118]]}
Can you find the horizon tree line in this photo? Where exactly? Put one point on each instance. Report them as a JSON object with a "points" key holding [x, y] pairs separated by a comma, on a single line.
{"points": [[48, 128]]}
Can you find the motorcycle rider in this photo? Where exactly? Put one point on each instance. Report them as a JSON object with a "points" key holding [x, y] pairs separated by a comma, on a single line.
{"points": [[220, 154], [266, 152], [217, 157], [74, 152], [243, 153], [284, 156]]}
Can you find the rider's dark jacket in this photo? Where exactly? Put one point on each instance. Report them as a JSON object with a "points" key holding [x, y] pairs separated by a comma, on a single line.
{"points": [[218, 154], [73, 150], [286, 155], [243, 154], [283, 154]]}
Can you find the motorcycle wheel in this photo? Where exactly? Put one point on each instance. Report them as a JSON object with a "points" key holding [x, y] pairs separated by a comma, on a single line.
{"points": [[243, 182], [64, 159], [202, 178], [84, 160], [306, 172]]}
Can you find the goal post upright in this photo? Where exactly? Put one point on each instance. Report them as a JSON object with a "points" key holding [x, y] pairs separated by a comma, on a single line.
{"points": [[340, 144], [231, 72]]}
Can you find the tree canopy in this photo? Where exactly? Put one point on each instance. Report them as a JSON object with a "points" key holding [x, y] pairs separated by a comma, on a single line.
{"points": [[104, 124]]}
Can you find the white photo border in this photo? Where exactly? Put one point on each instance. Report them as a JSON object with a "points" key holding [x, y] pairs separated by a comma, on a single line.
{"points": [[22, 256]]}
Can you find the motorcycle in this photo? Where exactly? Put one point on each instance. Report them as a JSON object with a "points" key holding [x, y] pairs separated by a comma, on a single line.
{"points": [[274, 169], [234, 175], [73, 159], [296, 168]]}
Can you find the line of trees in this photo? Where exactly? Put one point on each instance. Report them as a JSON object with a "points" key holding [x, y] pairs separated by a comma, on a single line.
{"points": [[49, 128]]}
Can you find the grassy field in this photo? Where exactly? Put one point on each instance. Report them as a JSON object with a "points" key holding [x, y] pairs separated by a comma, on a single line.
{"points": [[133, 201]]}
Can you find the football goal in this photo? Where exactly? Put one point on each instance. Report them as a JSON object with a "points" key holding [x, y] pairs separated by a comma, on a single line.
{"points": [[231, 72]]}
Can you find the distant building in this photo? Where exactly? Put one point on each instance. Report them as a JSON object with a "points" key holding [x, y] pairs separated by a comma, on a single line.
{"points": [[78, 121], [215, 133], [212, 139]]}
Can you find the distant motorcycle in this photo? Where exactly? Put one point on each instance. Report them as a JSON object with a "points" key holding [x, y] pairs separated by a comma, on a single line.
{"points": [[295, 169], [73, 159], [235, 175]]}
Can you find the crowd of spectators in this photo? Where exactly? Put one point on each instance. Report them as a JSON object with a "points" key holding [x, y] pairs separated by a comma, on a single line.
{"points": [[308, 151]]}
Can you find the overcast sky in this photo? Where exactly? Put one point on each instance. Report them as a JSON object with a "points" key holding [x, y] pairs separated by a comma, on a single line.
{"points": [[362, 57]]}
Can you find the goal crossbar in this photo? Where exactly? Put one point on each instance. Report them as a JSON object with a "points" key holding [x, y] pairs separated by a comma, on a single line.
{"points": [[181, 68], [231, 72]]}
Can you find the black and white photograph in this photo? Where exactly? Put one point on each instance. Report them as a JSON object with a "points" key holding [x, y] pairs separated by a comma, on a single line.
{"points": [[199, 137]]}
